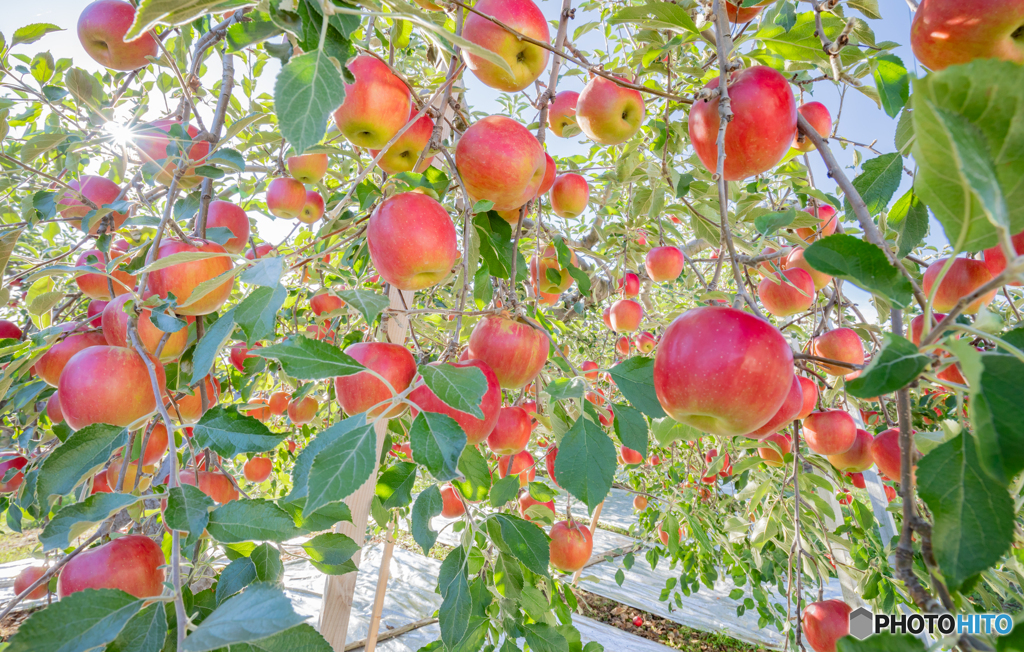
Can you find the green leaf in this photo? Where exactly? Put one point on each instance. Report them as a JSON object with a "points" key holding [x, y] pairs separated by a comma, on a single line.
{"points": [[308, 88], [561, 389], [71, 521], [881, 643], [476, 480], [331, 553], [253, 519], [210, 345], [892, 81], [145, 632], [635, 379], [496, 245], [966, 142], [461, 388], [862, 263], [997, 415], [428, 505], [39, 144], [585, 466], [768, 223], [800, 43], [297, 639], [545, 638], [394, 486], [188, 510], [437, 442], [260, 611], [341, 468], [867, 7], [631, 428], [666, 16], [237, 575], [973, 513], [267, 560], [309, 359], [457, 603], [909, 219], [527, 542], [151, 13], [904, 138], [82, 621], [84, 452], [877, 183], [369, 304], [504, 490], [32, 33], [897, 365], [229, 433], [265, 272], [257, 313], [244, 35], [300, 472]]}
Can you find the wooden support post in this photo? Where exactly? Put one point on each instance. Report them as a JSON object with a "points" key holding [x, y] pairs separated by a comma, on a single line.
{"points": [[340, 589], [382, 589], [593, 533]]}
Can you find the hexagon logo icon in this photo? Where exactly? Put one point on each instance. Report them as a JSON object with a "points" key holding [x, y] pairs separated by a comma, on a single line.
{"points": [[861, 621]]}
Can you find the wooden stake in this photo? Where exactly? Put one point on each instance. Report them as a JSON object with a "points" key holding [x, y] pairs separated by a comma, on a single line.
{"points": [[382, 588], [593, 533]]}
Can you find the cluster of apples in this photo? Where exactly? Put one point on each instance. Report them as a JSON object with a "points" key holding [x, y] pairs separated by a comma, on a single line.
{"points": [[288, 198]]}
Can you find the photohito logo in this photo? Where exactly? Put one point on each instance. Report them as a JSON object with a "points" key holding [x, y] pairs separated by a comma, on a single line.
{"points": [[863, 623]]}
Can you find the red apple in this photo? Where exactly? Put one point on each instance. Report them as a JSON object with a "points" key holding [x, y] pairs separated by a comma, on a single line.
{"points": [[590, 369], [522, 465], [9, 330], [645, 342], [526, 60], [625, 315], [95, 285], [50, 365], [762, 128], [279, 402], [26, 578], [313, 209], [12, 462], [500, 161], [723, 371], [562, 112], [155, 447], [664, 263], [94, 313], [569, 195], [183, 278], [302, 410], [550, 174], [640, 503], [324, 303], [571, 545], [101, 29], [451, 505], [190, 406], [818, 116], [53, 408], [360, 392], [401, 156], [286, 198], [476, 429], [629, 285], [858, 457], [964, 277], [412, 241], [831, 432], [107, 384], [630, 456], [796, 260], [608, 113], [549, 261], [258, 469], [216, 485], [549, 463], [99, 191], [663, 535], [261, 412], [995, 260], [738, 14], [239, 353], [828, 219], [606, 317], [810, 396], [157, 145], [885, 451], [376, 105], [262, 250], [115, 330], [131, 564], [230, 216], [842, 344], [526, 501], [890, 492], [769, 455], [825, 623], [787, 293], [515, 351], [949, 32], [786, 414], [307, 168]]}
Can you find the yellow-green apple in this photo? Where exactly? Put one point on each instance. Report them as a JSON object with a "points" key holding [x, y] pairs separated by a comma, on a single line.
{"points": [[817, 116], [258, 469], [626, 315], [412, 241], [500, 161], [522, 465], [995, 260], [664, 263], [95, 285], [549, 261], [796, 260], [787, 293], [723, 371], [645, 343], [313, 209], [230, 216], [569, 195], [100, 191], [181, 279], [451, 505], [526, 501], [101, 29], [828, 220], [964, 277], [302, 410], [362, 391], [842, 344], [376, 105], [324, 303], [770, 456], [514, 350], [809, 390], [511, 431], [9, 330], [157, 145], [550, 173], [607, 113], [114, 320], [570, 547], [858, 457], [190, 404], [307, 168], [12, 462], [133, 564], [26, 578], [476, 429], [526, 60], [286, 198], [562, 113], [830, 432], [762, 128], [785, 415], [629, 285], [622, 346], [279, 402], [950, 32], [401, 156], [107, 384], [50, 365], [825, 623]]}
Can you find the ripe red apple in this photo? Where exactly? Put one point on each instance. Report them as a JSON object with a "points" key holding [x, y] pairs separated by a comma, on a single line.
{"points": [[156, 145], [738, 14], [769, 455], [810, 396], [476, 429], [26, 578], [101, 29], [590, 369], [841, 344], [606, 317], [313, 209], [258, 469], [155, 447], [360, 392], [302, 411], [515, 351], [762, 128], [262, 250], [286, 198], [825, 623], [622, 346], [131, 475], [230, 216], [107, 384], [723, 371], [50, 365], [131, 564], [412, 241], [640, 503], [630, 456], [214, 484], [571, 545], [94, 313], [190, 406], [550, 173], [451, 505], [401, 156], [94, 285], [307, 168], [831, 432], [858, 457], [526, 60], [500, 161], [324, 303], [526, 501], [995, 260], [549, 261], [796, 260], [664, 263], [549, 463], [629, 285], [569, 195], [562, 112], [522, 465], [885, 451], [9, 330], [53, 412], [787, 293], [625, 315], [115, 330], [98, 190], [645, 343], [890, 492], [818, 116], [12, 462], [964, 277], [948, 32], [376, 105], [828, 219], [663, 535], [786, 414], [183, 278], [239, 353], [608, 113], [279, 402]]}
